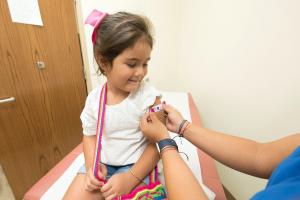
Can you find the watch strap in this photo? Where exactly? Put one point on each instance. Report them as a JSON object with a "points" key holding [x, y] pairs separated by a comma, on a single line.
{"points": [[162, 144]]}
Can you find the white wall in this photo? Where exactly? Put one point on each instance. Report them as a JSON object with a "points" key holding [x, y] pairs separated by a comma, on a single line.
{"points": [[239, 59], [242, 60]]}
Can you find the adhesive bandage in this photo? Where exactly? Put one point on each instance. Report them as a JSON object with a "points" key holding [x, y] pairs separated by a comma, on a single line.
{"points": [[156, 108]]}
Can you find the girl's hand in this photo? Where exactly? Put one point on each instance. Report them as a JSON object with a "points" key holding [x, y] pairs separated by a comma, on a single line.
{"points": [[174, 118], [153, 128], [91, 182], [118, 184]]}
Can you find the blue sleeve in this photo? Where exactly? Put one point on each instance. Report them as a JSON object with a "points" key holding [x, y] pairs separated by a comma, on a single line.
{"points": [[284, 182]]}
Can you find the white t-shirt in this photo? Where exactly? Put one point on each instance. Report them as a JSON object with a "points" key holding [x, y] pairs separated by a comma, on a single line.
{"points": [[122, 141]]}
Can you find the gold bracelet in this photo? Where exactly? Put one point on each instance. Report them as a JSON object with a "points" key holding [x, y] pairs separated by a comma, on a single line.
{"points": [[131, 172]]}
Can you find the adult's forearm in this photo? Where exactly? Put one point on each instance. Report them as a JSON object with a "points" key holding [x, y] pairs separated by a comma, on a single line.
{"points": [[245, 155], [238, 153], [180, 181]]}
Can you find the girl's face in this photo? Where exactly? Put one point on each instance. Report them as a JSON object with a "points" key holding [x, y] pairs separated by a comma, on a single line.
{"points": [[129, 68]]}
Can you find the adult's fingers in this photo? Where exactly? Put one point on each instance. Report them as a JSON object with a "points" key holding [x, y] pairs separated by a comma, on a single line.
{"points": [[143, 121], [168, 108], [153, 117], [145, 118]]}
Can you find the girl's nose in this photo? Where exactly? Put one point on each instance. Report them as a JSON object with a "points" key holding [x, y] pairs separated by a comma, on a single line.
{"points": [[140, 71]]}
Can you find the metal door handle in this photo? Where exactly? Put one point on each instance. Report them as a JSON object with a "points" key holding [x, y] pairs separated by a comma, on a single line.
{"points": [[7, 100]]}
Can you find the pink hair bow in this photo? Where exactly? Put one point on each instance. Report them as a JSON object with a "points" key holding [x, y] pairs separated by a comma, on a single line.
{"points": [[94, 19]]}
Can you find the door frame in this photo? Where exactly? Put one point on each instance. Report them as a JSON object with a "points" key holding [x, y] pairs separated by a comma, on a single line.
{"points": [[83, 44]]}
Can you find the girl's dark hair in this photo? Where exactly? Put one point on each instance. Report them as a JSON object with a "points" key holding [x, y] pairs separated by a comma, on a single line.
{"points": [[118, 32]]}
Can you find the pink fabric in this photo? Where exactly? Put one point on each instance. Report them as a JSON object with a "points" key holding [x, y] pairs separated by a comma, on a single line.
{"points": [[94, 19], [149, 187]]}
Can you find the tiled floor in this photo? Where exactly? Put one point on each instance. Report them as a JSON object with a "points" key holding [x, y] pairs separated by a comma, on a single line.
{"points": [[5, 191]]}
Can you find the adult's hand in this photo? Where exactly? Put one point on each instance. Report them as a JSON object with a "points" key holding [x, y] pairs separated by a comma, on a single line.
{"points": [[174, 118], [153, 128]]}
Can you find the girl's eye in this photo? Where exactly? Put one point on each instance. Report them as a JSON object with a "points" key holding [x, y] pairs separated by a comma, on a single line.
{"points": [[145, 65], [131, 65]]}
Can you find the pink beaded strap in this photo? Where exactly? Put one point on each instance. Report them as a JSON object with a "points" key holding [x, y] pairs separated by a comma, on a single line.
{"points": [[99, 131], [153, 176]]}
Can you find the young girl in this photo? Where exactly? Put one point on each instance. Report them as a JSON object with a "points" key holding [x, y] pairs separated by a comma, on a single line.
{"points": [[122, 47]]}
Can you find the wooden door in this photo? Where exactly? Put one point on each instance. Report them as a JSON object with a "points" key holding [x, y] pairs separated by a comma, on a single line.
{"points": [[42, 124]]}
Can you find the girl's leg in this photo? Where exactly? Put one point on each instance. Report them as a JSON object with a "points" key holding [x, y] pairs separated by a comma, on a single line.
{"points": [[76, 190]]}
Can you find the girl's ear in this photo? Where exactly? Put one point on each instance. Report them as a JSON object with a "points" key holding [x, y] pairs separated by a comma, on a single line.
{"points": [[102, 63]]}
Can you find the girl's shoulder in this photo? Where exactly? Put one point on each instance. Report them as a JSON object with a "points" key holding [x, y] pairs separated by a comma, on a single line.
{"points": [[94, 94], [145, 96], [143, 91]]}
